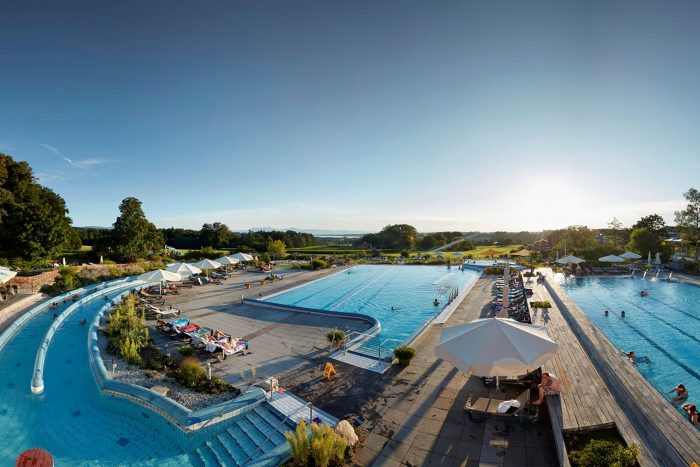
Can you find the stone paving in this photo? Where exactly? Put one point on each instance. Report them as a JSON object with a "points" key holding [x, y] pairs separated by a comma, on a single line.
{"points": [[414, 415], [280, 340]]}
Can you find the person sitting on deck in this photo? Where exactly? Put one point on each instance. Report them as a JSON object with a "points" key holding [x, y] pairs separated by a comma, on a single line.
{"points": [[549, 386], [692, 413], [681, 393]]}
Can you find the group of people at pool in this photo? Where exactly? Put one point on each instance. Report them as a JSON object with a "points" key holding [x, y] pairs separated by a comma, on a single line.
{"points": [[690, 409]]}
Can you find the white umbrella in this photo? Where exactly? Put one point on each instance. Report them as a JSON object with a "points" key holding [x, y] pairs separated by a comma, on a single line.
{"points": [[6, 274], [160, 275], [496, 347], [242, 257], [630, 255], [185, 269], [207, 264], [227, 260], [657, 259], [612, 259], [570, 259]]}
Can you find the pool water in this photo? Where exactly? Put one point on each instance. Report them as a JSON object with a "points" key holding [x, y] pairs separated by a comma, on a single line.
{"points": [[374, 290], [664, 326], [80, 426]]}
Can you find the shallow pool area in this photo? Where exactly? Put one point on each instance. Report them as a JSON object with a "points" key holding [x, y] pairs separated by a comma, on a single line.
{"points": [[664, 326], [401, 298], [81, 426]]}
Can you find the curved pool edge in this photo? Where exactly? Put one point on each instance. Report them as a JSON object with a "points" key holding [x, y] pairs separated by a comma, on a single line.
{"points": [[659, 437], [179, 415], [37, 383]]}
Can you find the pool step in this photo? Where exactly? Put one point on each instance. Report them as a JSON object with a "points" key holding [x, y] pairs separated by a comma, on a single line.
{"points": [[368, 363], [248, 436]]}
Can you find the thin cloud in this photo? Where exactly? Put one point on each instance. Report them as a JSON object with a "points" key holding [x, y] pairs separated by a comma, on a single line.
{"points": [[80, 164]]}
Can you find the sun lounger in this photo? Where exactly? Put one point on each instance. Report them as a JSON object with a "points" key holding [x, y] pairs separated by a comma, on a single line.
{"points": [[160, 313], [176, 324], [232, 349], [488, 406]]}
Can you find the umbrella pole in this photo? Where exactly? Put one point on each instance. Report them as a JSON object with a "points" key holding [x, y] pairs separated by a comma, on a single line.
{"points": [[498, 387]]}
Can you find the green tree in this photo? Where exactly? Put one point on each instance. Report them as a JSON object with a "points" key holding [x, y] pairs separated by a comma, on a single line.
{"points": [[653, 223], [688, 220], [73, 241], [616, 226], [643, 241], [133, 235], [216, 235], [276, 247], [34, 220]]}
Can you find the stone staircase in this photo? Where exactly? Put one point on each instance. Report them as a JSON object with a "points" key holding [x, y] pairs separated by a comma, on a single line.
{"points": [[247, 437]]}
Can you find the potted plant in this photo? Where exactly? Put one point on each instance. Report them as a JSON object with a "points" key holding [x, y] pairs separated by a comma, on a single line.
{"points": [[336, 337], [404, 354]]}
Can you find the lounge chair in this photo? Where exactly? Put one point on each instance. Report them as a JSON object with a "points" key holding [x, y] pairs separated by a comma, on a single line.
{"points": [[488, 407], [232, 349], [163, 313]]}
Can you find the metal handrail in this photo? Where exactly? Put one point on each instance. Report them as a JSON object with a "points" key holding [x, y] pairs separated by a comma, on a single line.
{"points": [[311, 413]]}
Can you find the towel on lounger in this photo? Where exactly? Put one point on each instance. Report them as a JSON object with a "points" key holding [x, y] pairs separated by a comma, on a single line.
{"points": [[505, 406]]}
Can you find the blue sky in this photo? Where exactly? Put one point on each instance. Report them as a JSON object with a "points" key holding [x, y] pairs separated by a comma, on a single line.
{"points": [[352, 115]]}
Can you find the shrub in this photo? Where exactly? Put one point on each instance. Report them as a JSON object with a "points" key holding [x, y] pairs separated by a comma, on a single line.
{"points": [[318, 264], [127, 331], [321, 447], [529, 274], [186, 351], [493, 271], [404, 354], [600, 452], [543, 304], [190, 373], [336, 336]]}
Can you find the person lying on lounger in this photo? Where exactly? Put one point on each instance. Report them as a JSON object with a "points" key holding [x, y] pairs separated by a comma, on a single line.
{"points": [[549, 386]]}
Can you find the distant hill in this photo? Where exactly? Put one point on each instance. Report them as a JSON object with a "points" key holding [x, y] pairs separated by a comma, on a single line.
{"points": [[317, 232]]}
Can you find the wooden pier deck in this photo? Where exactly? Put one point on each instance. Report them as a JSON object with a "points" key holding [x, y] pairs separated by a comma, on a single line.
{"points": [[640, 413]]}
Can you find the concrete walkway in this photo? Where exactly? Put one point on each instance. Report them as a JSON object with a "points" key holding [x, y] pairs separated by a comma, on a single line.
{"points": [[280, 340], [414, 415]]}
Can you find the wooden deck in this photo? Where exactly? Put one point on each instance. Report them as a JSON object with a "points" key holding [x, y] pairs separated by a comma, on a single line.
{"points": [[639, 412]]}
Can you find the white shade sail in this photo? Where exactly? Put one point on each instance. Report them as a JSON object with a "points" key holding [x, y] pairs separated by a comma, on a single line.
{"points": [[6, 274], [160, 275], [630, 255], [496, 347], [207, 264], [612, 259], [242, 257], [570, 259], [185, 269], [227, 260]]}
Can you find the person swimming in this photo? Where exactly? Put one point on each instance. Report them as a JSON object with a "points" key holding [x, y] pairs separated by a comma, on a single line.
{"points": [[622, 314], [644, 293], [436, 302], [83, 322], [605, 313]]}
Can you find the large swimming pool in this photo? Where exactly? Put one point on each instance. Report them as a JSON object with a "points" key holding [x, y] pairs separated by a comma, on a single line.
{"points": [[665, 326], [374, 290]]}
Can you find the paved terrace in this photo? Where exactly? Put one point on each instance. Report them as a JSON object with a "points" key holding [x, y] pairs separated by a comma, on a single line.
{"points": [[281, 341], [414, 415], [667, 437]]}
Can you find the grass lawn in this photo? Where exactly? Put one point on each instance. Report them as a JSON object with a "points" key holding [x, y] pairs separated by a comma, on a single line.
{"points": [[344, 250]]}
